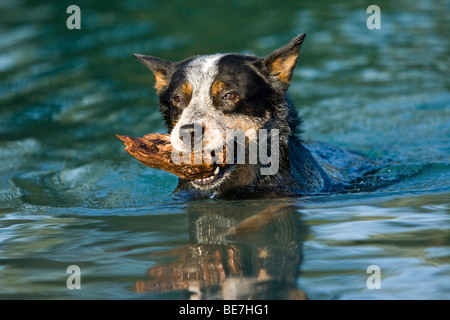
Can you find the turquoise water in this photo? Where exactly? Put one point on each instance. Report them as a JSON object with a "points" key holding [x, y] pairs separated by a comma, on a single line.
{"points": [[70, 194]]}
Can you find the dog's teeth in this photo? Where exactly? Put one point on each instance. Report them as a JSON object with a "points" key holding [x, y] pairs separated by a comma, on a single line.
{"points": [[204, 180], [216, 171]]}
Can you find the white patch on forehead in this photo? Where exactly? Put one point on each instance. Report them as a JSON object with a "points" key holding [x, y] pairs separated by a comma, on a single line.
{"points": [[201, 72]]}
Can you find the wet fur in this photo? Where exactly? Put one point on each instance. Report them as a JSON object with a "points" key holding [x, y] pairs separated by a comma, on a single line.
{"points": [[262, 103]]}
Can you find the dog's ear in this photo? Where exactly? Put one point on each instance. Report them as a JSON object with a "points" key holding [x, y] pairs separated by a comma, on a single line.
{"points": [[161, 69], [281, 63]]}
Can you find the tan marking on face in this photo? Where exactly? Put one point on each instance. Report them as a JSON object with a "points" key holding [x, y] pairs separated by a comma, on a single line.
{"points": [[246, 123], [186, 88], [217, 87]]}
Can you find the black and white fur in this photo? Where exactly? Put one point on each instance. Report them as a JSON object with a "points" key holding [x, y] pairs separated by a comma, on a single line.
{"points": [[232, 91]]}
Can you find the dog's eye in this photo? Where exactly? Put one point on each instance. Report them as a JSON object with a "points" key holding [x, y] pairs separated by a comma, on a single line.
{"points": [[177, 99], [230, 96]]}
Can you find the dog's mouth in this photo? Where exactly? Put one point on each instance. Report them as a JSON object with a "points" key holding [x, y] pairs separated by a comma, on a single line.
{"points": [[220, 174]]}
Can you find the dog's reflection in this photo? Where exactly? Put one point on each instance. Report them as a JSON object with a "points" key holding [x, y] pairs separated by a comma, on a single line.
{"points": [[254, 254]]}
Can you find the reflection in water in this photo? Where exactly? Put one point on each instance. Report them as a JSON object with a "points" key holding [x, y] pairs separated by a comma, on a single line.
{"points": [[235, 255]]}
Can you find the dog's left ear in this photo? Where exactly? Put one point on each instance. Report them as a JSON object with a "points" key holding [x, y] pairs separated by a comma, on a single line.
{"points": [[161, 68], [281, 63]]}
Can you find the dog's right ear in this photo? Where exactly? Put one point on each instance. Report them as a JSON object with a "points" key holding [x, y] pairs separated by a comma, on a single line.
{"points": [[161, 69], [281, 63]]}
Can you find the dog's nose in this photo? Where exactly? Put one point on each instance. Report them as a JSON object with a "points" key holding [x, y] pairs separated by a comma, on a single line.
{"points": [[192, 133]]}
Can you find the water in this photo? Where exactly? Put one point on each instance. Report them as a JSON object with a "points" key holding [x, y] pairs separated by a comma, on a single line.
{"points": [[70, 194]]}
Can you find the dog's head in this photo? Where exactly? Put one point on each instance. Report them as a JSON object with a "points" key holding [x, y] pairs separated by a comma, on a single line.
{"points": [[205, 98]]}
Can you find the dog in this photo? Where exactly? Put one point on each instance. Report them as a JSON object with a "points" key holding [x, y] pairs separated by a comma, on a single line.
{"points": [[204, 97]]}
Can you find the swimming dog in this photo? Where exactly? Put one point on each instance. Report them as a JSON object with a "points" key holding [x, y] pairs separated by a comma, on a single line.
{"points": [[205, 97]]}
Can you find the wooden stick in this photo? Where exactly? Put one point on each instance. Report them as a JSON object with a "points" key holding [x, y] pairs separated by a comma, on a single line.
{"points": [[155, 151]]}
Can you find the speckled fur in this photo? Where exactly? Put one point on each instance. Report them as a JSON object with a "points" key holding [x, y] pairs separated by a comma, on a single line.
{"points": [[261, 102]]}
